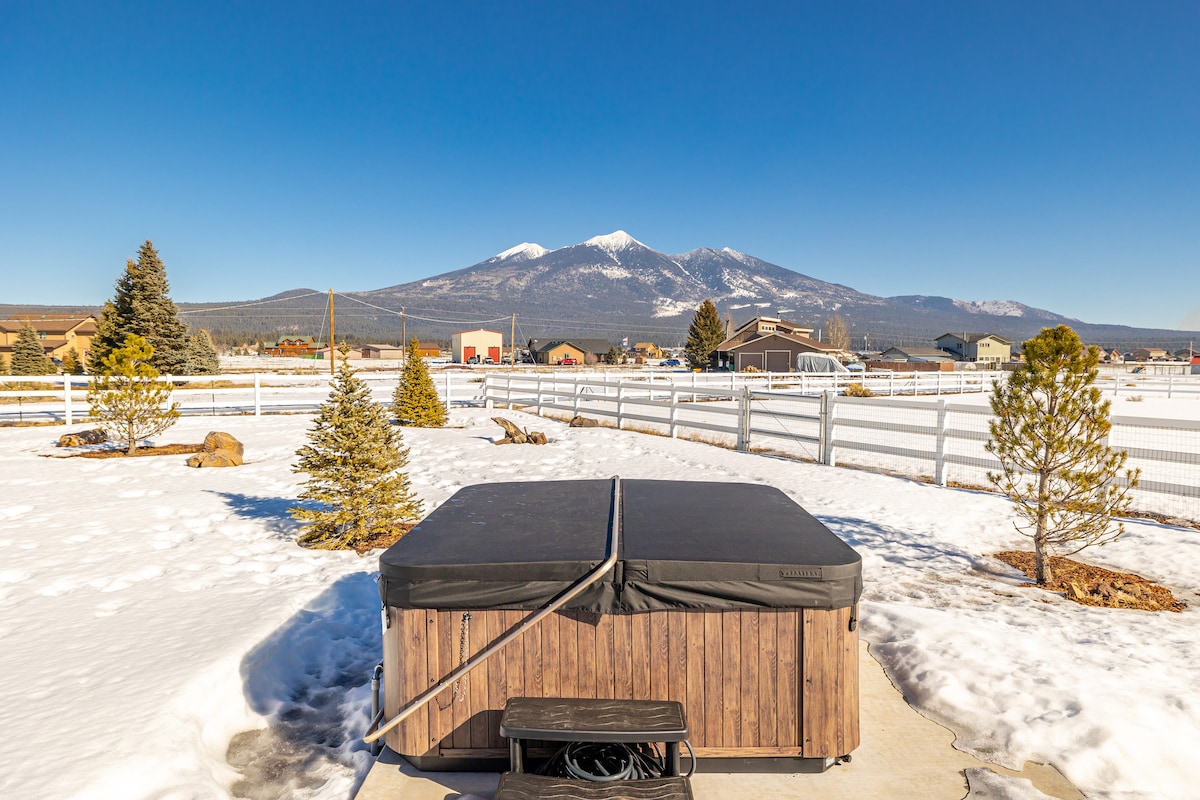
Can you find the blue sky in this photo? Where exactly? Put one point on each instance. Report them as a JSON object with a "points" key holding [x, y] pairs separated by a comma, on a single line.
{"points": [[1039, 152]]}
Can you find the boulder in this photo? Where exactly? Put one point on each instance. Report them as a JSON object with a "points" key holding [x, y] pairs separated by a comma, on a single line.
{"points": [[584, 422], [95, 436], [219, 458], [219, 450]]}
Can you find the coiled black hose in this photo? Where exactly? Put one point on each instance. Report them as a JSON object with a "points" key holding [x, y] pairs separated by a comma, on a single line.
{"points": [[609, 761]]}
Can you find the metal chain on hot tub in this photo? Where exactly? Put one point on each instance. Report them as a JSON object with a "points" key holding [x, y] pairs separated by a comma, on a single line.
{"points": [[464, 636]]}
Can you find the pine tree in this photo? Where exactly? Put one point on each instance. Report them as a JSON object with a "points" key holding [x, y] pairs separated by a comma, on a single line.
{"points": [[127, 398], [143, 306], [71, 363], [415, 402], [28, 355], [202, 355], [355, 460], [1049, 434], [704, 334]]}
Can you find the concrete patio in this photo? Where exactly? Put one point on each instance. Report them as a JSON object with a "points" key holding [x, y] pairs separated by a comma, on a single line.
{"points": [[902, 756]]}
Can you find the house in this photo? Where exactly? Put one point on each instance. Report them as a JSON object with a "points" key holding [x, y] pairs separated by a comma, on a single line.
{"points": [[1113, 356], [646, 350], [481, 343], [913, 359], [768, 344], [1187, 354], [981, 348], [351, 354], [1149, 354], [59, 334], [429, 350], [555, 352], [299, 346], [382, 351], [552, 350]]}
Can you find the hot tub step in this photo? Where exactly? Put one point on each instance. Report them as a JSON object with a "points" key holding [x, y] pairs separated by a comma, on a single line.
{"points": [[578, 719], [526, 786]]}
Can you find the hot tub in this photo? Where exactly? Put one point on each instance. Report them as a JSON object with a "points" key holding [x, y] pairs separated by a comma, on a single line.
{"points": [[727, 597]]}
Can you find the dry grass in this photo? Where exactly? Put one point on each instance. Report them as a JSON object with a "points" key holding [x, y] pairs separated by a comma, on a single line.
{"points": [[145, 450]]}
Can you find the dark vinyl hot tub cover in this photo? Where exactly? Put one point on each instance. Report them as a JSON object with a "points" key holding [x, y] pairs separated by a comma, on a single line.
{"points": [[683, 545]]}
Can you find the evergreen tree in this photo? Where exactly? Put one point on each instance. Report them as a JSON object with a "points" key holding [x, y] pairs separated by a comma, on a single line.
{"points": [[143, 306], [71, 363], [704, 334], [354, 461], [202, 355], [612, 357], [1049, 434], [28, 355], [127, 398], [415, 401]]}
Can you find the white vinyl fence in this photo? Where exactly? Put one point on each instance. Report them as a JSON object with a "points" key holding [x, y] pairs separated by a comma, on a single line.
{"points": [[931, 439], [914, 429]]}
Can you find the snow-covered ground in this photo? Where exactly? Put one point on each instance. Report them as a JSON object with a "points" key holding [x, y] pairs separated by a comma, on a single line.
{"points": [[162, 637]]}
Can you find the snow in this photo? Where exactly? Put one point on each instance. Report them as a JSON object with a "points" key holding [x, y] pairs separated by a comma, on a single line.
{"points": [[614, 242], [666, 307], [999, 308], [161, 636], [525, 251]]}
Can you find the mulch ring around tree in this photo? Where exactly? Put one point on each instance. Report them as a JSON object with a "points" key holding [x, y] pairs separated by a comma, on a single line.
{"points": [[145, 450], [1096, 586], [382, 541]]}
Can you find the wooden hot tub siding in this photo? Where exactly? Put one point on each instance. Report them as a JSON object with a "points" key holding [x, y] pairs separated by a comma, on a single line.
{"points": [[769, 682]]}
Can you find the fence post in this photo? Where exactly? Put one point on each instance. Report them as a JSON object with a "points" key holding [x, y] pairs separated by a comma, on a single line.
{"points": [[743, 437], [538, 395], [446, 380], [938, 391], [825, 437], [487, 394], [577, 392], [891, 383], [620, 403], [674, 411], [1170, 383], [67, 418], [257, 395], [939, 466]]}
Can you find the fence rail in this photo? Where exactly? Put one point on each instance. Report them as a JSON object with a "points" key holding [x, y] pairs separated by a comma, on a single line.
{"points": [[931, 439], [928, 437]]}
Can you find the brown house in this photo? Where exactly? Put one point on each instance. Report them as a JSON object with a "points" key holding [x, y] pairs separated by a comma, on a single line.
{"points": [[302, 347], [58, 334], [768, 344]]}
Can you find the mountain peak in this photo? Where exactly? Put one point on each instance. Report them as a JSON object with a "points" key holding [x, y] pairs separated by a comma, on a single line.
{"points": [[614, 242], [525, 251]]}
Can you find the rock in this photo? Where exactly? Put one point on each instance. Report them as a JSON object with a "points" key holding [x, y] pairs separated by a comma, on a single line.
{"points": [[219, 450], [221, 458], [95, 436], [584, 422], [537, 437]]}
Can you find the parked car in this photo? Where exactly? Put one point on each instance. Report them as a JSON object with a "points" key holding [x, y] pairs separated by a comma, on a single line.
{"points": [[488, 360], [672, 362], [473, 360], [568, 362]]}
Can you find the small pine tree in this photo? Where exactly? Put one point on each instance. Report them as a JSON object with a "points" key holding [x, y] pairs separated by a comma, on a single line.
{"points": [[415, 402], [142, 305], [355, 460], [704, 334], [612, 357], [28, 355], [71, 365], [1049, 434], [127, 399], [202, 355]]}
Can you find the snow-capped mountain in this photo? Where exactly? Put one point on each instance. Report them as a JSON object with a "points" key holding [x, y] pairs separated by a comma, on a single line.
{"points": [[615, 286], [615, 279]]}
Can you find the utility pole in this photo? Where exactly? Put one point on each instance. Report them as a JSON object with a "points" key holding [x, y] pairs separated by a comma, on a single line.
{"points": [[512, 344], [403, 339], [331, 336]]}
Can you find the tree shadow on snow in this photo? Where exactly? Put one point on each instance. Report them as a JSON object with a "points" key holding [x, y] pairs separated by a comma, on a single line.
{"points": [[271, 511], [896, 546], [311, 680]]}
